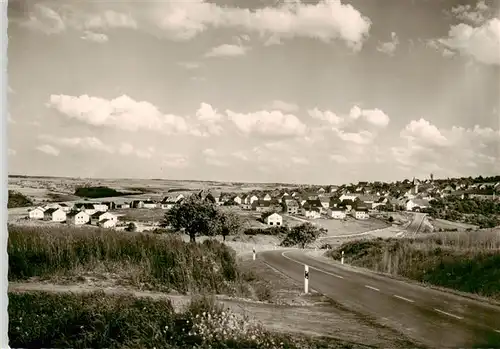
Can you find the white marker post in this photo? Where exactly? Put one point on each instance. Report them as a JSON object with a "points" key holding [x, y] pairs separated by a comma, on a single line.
{"points": [[254, 253], [342, 259], [306, 279]]}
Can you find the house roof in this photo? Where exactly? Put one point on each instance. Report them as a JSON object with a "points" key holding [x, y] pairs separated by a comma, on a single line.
{"points": [[337, 209], [273, 214], [324, 199], [51, 210], [261, 203], [291, 202], [74, 213], [97, 214], [149, 202]]}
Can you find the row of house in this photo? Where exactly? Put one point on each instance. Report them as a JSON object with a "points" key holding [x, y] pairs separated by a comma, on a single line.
{"points": [[75, 217]]}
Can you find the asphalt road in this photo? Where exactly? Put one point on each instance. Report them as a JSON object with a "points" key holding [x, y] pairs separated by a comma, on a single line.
{"points": [[416, 223], [433, 318]]}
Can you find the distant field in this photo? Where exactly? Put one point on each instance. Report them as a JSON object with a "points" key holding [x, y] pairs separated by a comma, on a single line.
{"points": [[144, 215], [350, 226], [447, 225]]}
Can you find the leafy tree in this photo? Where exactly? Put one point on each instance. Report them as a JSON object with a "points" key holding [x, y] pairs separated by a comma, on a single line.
{"points": [[194, 216], [228, 223], [132, 227], [302, 235], [17, 199], [210, 198]]}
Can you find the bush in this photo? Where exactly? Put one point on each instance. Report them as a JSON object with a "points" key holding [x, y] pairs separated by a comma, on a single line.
{"points": [[97, 320], [302, 235], [17, 199], [162, 263], [274, 231], [97, 192]]}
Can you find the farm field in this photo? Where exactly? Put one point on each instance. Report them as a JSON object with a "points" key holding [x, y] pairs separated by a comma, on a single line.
{"points": [[442, 224], [347, 227]]}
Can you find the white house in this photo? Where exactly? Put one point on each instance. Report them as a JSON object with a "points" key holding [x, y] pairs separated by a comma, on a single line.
{"points": [[325, 201], [312, 213], [267, 197], [237, 199], [65, 207], [123, 206], [361, 214], [179, 197], [100, 207], [337, 213], [54, 215], [97, 217], [416, 204], [52, 205], [36, 213], [150, 204], [167, 205], [274, 219], [107, 223], [291, 206], [77, 218], [253, 198], [348, 196]]}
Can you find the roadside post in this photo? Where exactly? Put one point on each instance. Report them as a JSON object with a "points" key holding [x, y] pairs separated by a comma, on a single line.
{"points": [[254, 253], [342, 259], [306, 279]]}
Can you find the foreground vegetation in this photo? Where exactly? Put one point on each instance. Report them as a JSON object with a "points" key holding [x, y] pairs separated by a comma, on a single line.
{"points": [[144, 260], [17, 199], [97, 320], [466, 262]]}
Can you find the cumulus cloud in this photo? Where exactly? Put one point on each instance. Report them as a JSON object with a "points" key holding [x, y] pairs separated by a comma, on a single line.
{"points": [[122, 112], [268, 123], [375, 116], [389, 47], [209, 120], [452, 151], [283, 106], [85, 143], [95, 37], [467, 13], [48, 149], [482, 43], [175, 161], [326, 20], [227, 50], [129, 149], [328, 116], [362, 137], [110, 19]]}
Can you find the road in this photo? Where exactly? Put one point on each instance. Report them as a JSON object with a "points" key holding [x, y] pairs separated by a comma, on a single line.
{"points": [[433, 318], [415, 225]]}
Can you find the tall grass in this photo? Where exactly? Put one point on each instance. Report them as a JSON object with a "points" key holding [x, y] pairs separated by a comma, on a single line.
{"points": [[97, 320], [143, 259], [464, 261]]}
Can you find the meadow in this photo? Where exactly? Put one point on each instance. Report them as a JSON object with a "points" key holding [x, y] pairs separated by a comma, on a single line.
{"points": [[463, 261]]}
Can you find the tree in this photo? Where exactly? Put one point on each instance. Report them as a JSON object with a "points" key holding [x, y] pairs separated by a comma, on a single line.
{"points": [[228, 223], [194, 216], [131, 227], [302, 235]]}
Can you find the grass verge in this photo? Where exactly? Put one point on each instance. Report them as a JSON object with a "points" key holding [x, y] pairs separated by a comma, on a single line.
{"points": [[146, 261], [463, 261], [96, 320]]}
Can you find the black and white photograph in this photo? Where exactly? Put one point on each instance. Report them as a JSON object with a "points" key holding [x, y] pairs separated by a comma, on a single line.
{"points": [[251, 174]]}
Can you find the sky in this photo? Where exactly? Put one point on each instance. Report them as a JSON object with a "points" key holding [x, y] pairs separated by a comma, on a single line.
{"points": [[326, 92]]}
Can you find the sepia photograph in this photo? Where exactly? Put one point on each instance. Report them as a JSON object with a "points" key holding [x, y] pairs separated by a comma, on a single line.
{"points": [[246, 174]]}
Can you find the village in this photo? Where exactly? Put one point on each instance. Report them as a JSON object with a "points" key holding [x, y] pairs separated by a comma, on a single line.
{"points": [[331, 202]]}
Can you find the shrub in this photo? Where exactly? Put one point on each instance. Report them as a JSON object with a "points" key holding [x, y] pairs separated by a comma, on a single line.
{"points": [[302, 235]]}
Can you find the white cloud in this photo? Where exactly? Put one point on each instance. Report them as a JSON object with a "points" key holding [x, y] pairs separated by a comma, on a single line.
{"points": [[110, 19], [227, 50], [44, 19], [389, 47], [341, 159], [190, 65], [423, 132], [95, 37], [86, 143], [122, 112], [48, 149], [362, 137], [128, 149], [175, 161], [327, 116], [299, 160], [482, 43], [284, 106], [326, 20], [11, 152], [209, 152], [466, 13], [375, 116], [240, 155], [209, 120], [266, 123]]}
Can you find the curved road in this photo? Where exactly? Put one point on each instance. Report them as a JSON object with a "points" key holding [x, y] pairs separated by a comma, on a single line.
{"points": [[433, 318]]}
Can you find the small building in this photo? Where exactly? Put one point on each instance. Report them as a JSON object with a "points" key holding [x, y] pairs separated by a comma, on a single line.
{"points": [[101, 207], [247, 207], [149, 204], [87, 207], [261, 206], [77, 218], [99, 216], [137, 204], [253, 198], [65, 207], [237, 199], [36, 213], [291, 206], [125, 205], [110, 204], [54, 215], [274, 219], [312, 213], [325, 201], [337, 213], [416, 204], [361, 213], [107, 223], [267, 197]]}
